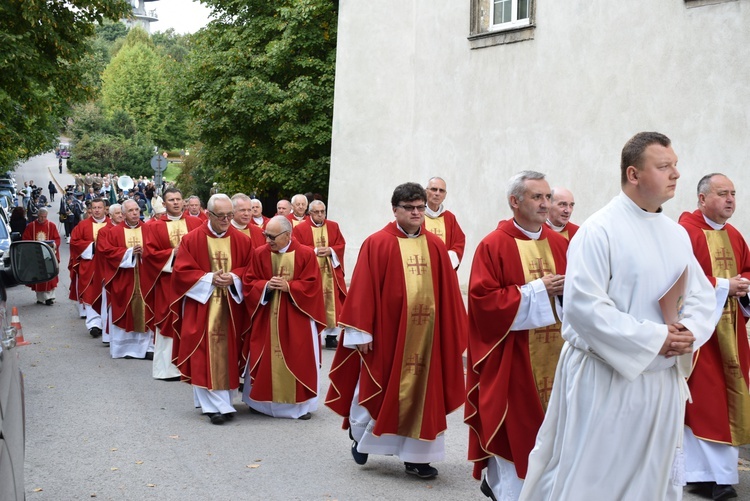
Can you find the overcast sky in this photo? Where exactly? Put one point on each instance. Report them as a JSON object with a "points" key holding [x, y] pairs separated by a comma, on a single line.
{"points": [[185, 16]]}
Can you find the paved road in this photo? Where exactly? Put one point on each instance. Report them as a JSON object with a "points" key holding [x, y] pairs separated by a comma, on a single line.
{"points": [[102, 428]]}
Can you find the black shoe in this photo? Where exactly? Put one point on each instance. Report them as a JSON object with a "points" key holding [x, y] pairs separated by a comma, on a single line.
{"points": [[421, 470], [723, 492], [42, 302], [176, 378], [229, 416], [486, 490], [149, 355], [359, 457], [95, 332], [217, 418], [49, 302], [304, 417], [331, 342]]}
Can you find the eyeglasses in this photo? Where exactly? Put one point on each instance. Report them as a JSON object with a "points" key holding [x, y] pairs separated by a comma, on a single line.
{"points": [[410, 208], [273, 238], [222, 217]]}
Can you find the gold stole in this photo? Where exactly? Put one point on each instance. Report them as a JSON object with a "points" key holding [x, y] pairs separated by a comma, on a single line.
{"points": [[436, 226], [220, 255], [246, 230], [320, 238], [133, 237], [95, 227], [724, 265], [176, 230], [40, 235], [544, 343], [565, 234], [283, 382], [418, 339]]}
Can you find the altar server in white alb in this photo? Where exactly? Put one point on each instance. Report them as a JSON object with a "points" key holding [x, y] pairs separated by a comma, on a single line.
{"points": [[613, 425]]}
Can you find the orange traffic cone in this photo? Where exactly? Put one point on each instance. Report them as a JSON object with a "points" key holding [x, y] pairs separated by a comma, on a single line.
{"points": [[15, 321]]}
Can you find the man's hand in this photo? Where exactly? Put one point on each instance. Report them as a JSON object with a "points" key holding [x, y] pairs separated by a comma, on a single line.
{"points": [[278, 283], [554, 284], [738, 286], [137, 250], [679, 341], [323, 251], [222, 279], [365, 348]]}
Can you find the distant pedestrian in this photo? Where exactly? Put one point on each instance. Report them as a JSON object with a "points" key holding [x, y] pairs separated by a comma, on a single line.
{"points": [[59, 164], [52, 191]]}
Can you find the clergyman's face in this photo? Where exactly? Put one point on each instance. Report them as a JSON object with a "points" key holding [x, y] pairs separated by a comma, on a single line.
{"points": [[410, 215], [256, 208], [132, 212], [97, 210], [318, 213], [242, 212], [436, 193], [531, 212], [300, 206], [283, 207], [719, 203], [656, 180], [117, 216], [561, 207], [220, 216], [194, 206], [173, 203], [281, 237]]}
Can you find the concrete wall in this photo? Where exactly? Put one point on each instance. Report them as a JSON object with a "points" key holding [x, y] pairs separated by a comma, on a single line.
{"points": [[413, 100]]}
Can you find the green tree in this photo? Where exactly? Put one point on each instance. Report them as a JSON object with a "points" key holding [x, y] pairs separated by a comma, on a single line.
{"points": [[135, 81], [42, 45], [260, 82]]}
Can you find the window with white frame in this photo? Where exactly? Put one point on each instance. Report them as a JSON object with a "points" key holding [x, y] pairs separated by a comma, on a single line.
{"points": [[507, 14]]}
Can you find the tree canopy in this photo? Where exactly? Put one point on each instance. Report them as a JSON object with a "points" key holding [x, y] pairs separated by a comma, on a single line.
{"points": [[259, 83], [42, 44]]}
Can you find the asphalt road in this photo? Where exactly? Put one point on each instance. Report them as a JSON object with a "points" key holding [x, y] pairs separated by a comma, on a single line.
{"points": [[102, 428]]}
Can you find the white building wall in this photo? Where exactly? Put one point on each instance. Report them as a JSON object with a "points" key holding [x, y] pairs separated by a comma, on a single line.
{"points": [[412, 101]]}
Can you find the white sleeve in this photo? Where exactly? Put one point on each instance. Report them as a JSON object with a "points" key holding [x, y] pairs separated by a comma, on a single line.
{"points": [[535, 310], [354, 337], [202, 289]]}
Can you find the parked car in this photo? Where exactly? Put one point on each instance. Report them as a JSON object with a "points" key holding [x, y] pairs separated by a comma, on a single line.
{"points": [[27, 263]]}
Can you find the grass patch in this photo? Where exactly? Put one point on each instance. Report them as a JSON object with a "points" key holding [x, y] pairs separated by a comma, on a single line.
{"points": [[173, 170]]}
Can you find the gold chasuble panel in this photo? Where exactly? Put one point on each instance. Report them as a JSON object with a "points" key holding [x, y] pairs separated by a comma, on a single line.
{"points": [[133, 237], [436, 226], [320, 238], [40, 236], [420, 326], [724, 265], [176, 230], [220, 252], [284, 384], [96, 227], [544, 343]]}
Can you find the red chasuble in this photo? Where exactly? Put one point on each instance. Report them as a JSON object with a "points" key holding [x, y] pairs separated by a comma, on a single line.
{"points": [[280, 348], [447, 229], [255, 234], [720, 411], [381, 303], [569, 231], [510, 373], [332, 279], [42, 232], [92, 295], [125, 287], [162, 235], [207, 336], [82, 270], [291, 217]]}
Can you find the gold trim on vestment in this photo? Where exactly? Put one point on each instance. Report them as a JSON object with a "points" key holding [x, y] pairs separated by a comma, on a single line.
{"points": [[283, 382], [176, 229], [325, 263], [220, 252], [95, 227], [545, 343], [724, 265], [436, 226], [418, 339], [133, 237]]}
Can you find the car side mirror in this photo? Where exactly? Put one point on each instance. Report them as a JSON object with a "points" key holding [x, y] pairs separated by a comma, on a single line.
{"points": [[15, 236], [32, 262]]}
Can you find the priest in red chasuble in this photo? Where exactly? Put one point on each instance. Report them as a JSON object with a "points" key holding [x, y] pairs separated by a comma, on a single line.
{"points": [[123, 252], [718, 419], [259, 219], [299, 209], [209, 318], [442, 223], [398, 369], [560, 210], [325, 238], [83, 240], [242, 219], [163, 236], [517, 273], [44, 231], [284, 296]]}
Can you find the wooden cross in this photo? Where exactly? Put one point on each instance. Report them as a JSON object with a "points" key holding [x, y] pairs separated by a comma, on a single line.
{"points": [[723, 258], [547, 334], [415, 364], [537, 267], [416, 265], [420, 314], [544, 389], [221, 260]]}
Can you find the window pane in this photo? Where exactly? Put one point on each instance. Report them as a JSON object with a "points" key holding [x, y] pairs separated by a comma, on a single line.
{"points": [[502, 11], [523, 9]]}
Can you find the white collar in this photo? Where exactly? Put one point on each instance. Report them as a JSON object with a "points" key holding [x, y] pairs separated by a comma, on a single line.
{"points": [[433, 213], [419, 231], [713, 224], [534, 236]]}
